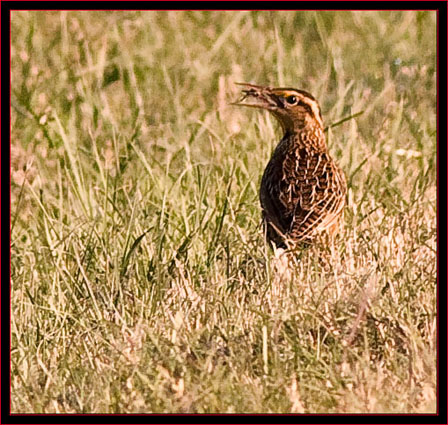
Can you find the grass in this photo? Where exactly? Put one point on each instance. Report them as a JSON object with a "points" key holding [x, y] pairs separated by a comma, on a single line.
{"points": [[140, 278]]}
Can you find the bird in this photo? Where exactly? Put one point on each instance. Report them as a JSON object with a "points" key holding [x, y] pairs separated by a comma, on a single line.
{"points": [[303, 190]]}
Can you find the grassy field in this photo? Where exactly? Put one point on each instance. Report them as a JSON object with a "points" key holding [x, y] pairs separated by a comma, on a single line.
{"points": [[140, 278]]}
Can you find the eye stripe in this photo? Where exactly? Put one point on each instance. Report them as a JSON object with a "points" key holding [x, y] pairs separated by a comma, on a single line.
{"points": [[306, 106]]}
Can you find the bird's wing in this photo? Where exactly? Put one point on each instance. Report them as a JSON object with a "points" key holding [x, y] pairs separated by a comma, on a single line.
{"points": [[313, 188]]}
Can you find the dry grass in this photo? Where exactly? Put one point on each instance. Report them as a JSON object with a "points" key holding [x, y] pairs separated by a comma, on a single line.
{"points": [[140, 278]]}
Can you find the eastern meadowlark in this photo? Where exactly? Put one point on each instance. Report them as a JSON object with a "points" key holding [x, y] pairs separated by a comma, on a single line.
{"points": [[302, 190]]}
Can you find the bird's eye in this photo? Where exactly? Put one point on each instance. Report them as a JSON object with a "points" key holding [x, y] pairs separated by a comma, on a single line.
{"points": [[292, 100]]}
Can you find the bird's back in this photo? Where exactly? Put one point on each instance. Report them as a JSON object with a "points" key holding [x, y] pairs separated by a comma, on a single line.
{"points": [[302, 192]]}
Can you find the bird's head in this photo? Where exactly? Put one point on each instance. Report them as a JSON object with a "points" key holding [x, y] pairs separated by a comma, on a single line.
{"points": [[295, 109]]}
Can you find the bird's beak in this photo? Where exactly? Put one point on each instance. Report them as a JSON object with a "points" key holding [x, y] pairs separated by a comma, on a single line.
{"points": [[257, 97]]}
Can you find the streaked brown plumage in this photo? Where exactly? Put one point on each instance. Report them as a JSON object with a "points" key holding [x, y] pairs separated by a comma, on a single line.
{"points": [[302, 190]]}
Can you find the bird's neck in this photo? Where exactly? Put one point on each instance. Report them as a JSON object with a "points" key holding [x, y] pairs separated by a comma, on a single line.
{"points": [[310, 137]]}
